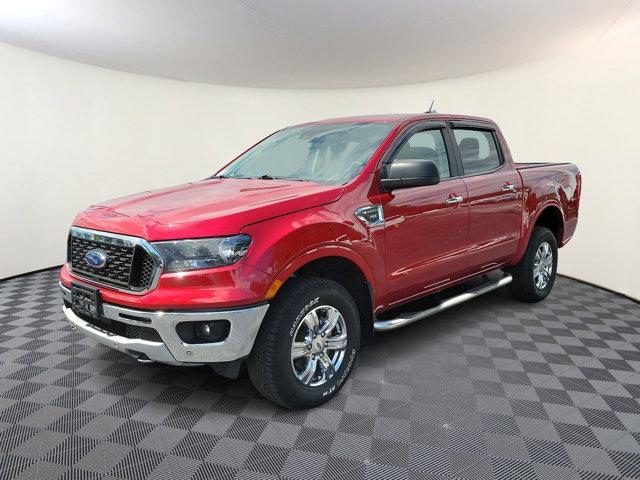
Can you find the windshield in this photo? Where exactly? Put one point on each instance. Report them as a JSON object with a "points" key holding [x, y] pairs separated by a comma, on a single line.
{"points": [[330, 154]]}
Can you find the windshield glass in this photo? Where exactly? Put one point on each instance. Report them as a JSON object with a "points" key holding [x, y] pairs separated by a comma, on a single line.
{"points": [[330, 154]]}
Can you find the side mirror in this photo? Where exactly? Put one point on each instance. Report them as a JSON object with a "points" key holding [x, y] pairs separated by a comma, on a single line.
{"points": [[410, 172]]}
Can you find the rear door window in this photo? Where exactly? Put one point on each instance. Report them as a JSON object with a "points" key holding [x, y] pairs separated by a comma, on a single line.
{"points": [[478, 150]]}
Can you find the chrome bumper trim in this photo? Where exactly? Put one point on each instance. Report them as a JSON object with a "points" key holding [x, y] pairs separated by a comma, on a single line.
{"points": [[156, 351], [245, 324]]}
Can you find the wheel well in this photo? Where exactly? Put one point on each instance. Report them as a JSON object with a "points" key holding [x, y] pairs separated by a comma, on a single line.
{"points": [[551, 218], [347, 274]]}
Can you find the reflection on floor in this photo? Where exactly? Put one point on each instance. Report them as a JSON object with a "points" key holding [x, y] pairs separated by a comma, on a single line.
{"points": [[490, 389]]}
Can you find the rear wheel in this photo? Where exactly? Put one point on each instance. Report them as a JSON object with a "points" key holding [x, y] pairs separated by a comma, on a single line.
{"points": [[534, 276], [307, 345]]}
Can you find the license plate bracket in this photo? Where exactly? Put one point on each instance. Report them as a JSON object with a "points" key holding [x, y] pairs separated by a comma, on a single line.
{"points": [[86, 300]]}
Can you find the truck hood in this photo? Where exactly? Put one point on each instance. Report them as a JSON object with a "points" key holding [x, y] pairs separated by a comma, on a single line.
{"points": [[208, 208]]}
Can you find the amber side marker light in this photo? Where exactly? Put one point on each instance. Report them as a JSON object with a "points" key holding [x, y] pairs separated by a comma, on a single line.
{"points": [[273, 289]]}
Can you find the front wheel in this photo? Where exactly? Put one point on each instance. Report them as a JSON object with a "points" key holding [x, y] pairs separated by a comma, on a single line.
{"points": [[534, 276], [307, 345]]}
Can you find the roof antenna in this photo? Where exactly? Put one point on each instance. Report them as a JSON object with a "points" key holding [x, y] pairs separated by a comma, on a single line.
{"points": [[431, 110]]}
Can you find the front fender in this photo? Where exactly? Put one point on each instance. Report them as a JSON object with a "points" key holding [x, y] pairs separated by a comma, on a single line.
{"points": [[314, 253], [284, 244]]}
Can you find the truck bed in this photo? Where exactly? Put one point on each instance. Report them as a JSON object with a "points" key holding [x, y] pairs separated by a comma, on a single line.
{"points": [[525, 165], [560, 181]]}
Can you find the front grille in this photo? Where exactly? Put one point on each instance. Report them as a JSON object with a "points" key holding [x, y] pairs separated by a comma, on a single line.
{"points": [[144, 268], [129, 265]]}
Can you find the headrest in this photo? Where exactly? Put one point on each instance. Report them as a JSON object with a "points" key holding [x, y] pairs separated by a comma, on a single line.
{"points": [[470, 148], [416, 152]]}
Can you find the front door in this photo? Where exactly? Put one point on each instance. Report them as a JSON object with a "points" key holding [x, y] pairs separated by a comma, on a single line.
{"points": [[425, 227]]}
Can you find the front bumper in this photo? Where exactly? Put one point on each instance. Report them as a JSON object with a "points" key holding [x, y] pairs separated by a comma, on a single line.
{"points": [[245, 323]]}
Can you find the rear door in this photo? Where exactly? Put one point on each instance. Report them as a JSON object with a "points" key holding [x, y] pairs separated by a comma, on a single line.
{"points": [[494, 196], [425, 227]]}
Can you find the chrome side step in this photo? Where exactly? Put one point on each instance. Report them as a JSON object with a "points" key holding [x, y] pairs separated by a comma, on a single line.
{"points": [[407, 318]]}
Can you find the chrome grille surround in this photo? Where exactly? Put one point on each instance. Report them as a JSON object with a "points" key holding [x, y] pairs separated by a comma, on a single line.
{"points": [[119, 241]]}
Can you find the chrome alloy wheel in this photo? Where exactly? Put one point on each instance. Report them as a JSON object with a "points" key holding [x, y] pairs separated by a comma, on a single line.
{"points": [[318, 347], [543, 266]]}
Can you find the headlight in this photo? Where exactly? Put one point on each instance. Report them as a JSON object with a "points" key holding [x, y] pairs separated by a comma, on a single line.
{"points": [[182, 255]]}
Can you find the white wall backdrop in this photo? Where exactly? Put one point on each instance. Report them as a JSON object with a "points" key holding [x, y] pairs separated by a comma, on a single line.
{"points": [[72, 135]]}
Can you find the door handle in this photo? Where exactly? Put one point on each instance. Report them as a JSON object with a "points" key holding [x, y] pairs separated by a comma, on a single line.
{"points": [[453, 200], [508, 187]]}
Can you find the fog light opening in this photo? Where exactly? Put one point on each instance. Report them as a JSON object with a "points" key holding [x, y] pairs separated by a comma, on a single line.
{"points": [[213, 331]]}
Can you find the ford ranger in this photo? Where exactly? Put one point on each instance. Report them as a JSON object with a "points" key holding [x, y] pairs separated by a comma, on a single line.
{"points": [[289, 258]]}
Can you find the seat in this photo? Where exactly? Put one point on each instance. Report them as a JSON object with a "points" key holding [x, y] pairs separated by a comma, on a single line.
{"points": [[425, 153], [470, 154], [470, 150]]}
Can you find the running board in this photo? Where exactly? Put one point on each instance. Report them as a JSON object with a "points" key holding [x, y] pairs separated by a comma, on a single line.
{"points": [[407, 318]]}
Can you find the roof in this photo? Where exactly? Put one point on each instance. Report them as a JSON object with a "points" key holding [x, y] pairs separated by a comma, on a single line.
{"points": [[397, 118]]}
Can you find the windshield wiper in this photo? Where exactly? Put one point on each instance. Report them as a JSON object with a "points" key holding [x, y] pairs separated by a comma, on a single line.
{"points": [[295, 179], [292, 178], [228, 176]]}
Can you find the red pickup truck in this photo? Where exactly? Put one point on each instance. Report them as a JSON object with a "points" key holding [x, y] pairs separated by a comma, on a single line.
{"points": [[289, 258]]}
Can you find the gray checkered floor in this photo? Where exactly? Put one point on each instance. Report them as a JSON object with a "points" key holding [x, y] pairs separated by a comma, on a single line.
{"points": [[491, 389]]}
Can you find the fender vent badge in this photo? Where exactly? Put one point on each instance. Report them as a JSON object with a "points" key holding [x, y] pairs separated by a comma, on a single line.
{"points": [[371, 215]]}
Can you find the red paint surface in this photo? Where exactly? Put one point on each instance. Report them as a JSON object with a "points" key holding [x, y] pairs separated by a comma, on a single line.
{"points": [[424, 246]]}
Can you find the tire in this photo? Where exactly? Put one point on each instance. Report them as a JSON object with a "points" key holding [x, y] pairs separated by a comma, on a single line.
{"points": [[271, 367], [525, 286]]}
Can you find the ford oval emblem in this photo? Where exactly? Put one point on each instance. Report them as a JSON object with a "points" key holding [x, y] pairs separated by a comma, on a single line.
{"points": [[96, 258]]}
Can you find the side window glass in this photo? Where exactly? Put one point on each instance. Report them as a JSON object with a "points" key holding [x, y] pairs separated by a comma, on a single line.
{"points": [[478, 150], [427, 145]]}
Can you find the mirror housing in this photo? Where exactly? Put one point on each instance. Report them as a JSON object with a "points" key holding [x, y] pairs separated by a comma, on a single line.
{"points": [[410, 172]]}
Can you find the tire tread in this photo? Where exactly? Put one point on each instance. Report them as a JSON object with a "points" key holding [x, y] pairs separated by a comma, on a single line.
{"points": [[262, 361], [522, 287]]}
